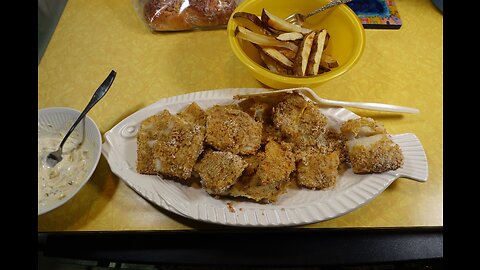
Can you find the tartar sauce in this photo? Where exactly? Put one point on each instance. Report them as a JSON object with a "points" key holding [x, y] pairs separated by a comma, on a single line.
{"points": [[57, 182]]}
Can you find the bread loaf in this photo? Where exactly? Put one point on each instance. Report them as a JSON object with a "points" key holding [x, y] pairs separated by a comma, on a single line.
{"points": [[177, 15]]}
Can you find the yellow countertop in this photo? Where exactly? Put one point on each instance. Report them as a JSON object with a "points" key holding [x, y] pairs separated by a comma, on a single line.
{"points": [[402, 67]]}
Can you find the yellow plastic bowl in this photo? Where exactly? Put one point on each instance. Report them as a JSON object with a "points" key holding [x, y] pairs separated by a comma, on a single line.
{"points": [[346, 44]]}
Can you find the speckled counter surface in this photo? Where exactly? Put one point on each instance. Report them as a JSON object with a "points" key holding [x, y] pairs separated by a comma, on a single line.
{"points": [[403, 67]]}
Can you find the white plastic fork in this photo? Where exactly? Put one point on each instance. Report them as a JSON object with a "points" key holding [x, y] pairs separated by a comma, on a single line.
{"points": [[335, 103]]}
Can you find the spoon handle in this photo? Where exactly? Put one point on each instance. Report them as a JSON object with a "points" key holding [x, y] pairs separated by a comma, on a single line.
{"points": [[101, 91], [327, 6]]}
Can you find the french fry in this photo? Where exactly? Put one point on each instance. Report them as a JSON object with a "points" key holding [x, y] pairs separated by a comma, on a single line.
{"points": [[288, 53], [252, 22], [290, 36], [286, 48], [303, 53], [316, 52], [329, 60], [273, 65], [259, 39], [277, 56], [281, 24]]}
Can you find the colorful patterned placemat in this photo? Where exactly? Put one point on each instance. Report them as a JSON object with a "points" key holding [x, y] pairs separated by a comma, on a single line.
{"points": [[377, 14]]}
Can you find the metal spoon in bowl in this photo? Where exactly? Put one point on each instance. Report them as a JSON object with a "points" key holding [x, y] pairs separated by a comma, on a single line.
{"points": [[54, 157], [299, 19]]}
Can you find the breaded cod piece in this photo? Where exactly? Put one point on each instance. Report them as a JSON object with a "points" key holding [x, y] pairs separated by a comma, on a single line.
{"points": [[253, 161], [278, 164], [334, 141], [316, 170], [261, 111], [251, 188], [267, 175], [300, 121], [258, 110], [361, 127], [232, 130], [271, 133], [286, 115], [178, 145], [219, 170], [147, 138], [194, 114], [374, 154]]}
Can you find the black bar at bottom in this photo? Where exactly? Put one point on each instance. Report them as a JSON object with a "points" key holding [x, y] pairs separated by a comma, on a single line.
{"points": [[259, 247]]}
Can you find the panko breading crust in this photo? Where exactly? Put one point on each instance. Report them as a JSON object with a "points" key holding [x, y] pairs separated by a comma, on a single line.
{"points": [[374, 154], [268, 174], [316, 170], [258, 110], [232, 130], [169, 145], [260, 147], [178, 148], [278, 164], [250, 187], [147, 138], [334, 141], [270, 133], [194, 114], [219, 170], [253, 161], [286, 115], [300, 121]]}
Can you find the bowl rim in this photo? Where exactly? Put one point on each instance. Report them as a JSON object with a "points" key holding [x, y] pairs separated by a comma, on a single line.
{"points": [[264, 72], [95, 162]]}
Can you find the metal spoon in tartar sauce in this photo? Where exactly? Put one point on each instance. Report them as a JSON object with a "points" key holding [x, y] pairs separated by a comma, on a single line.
{"points": [[54, 157]]}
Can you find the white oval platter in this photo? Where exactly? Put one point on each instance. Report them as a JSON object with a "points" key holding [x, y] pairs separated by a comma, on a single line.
{"points": [[296, 207]]}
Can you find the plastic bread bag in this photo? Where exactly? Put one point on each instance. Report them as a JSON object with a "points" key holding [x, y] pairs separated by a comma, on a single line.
{"points": [[182, 15]]}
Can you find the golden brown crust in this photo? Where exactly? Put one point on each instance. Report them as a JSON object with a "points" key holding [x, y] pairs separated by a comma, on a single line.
{"points": [[147, 139], [253, 161], [267, 175], [169, 145], [219, 170], [286, 115], [259, 159], [230, 129], [261, 111], [251, 188], [316, 170], [258, 110], [179, 143], [300, 121], [278, 164], [271, 133], [334, 141], [374, 154], [194, 114], [174, 15]]}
